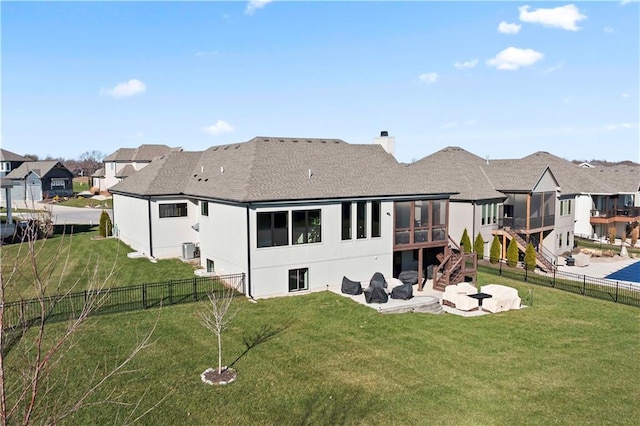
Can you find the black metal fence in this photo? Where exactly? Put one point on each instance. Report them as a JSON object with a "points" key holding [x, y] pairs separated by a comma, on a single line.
{"points": [[599, 288], [23, 313]]}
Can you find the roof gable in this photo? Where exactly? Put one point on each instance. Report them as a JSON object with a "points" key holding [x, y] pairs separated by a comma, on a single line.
{"points": [[40, 168]]}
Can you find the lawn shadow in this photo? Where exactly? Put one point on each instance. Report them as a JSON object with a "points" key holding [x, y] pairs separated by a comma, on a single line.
{"points": [[265, 333], [73, 229]]}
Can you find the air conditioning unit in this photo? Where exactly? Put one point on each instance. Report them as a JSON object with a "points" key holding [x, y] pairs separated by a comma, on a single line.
{"points": [[188, 250]]}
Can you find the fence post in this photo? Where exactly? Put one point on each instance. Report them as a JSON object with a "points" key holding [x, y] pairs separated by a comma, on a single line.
{"points": [[244, 283], [195, 290], [144, 296], [554, 279], [526, 273], [584, 285], [616, 291], [170, 292]]}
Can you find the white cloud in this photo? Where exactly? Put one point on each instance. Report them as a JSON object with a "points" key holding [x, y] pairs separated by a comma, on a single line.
{"points": [[608, 30], [625, 95], [507, 28], [512, 58], [466, 64], [556, 67], [621, 126], [564, 17], [128, 88], [218, 128], [207, 53], [254, 5], [429, 77], [624, 2]]}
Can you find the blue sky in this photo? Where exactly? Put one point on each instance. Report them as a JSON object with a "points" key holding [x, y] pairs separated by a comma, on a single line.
{"points": [[500, 79]]}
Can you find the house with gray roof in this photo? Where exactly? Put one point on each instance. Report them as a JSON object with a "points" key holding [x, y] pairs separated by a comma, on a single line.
{"points": [[294, 214], [38, 180], [604, 196], [126, 161], [9, 161], [508, 198]]}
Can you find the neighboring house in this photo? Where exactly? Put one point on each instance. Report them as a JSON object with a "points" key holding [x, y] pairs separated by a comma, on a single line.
{"points": [[9, 161], [509, 198], [38, 180], [126, 161], [617, 203], [603, 196], [292, 214]]}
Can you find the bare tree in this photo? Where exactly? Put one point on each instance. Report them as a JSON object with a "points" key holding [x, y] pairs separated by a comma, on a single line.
{"points": [[30, 378], [218, 314], [90, 161]]}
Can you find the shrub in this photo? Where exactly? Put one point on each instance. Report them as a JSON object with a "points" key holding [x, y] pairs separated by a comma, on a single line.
{"points": [[634, 235], [496, 250], [478, 246], [512, 253], [612, 235], [104, 229], [465, 242], [530, 258]]}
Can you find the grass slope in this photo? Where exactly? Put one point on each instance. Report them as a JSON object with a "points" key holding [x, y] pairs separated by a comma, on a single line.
{"points": [[567, 360], [68, 261]]}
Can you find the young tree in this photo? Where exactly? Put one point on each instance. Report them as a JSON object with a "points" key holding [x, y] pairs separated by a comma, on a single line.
{"points": [[478, 246], [104, 229], [217, 316], [32, 376], [465, 242], [530, 258], [635, 230], [496, 250], [512, 253], [612, 235]]}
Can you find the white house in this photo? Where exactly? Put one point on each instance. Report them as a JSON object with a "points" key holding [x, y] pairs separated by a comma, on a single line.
{"points": [[124, 162], [293, 214]]}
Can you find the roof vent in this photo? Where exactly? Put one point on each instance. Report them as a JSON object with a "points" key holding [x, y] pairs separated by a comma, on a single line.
{"points": [[384, 134], [221, 169]]}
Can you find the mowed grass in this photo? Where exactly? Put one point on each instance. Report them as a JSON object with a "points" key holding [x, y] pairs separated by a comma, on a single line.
{"points": [[72, 259], [327, 360], [88, 202]]}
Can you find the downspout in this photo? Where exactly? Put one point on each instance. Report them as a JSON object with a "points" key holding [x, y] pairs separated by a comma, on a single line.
{"points": [[248, 255], [473, 226], [150, 227]]}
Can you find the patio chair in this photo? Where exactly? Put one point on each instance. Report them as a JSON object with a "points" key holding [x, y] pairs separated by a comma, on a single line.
{"points": [[377, 280], [351, 287], [402, 292], [375, 295]]}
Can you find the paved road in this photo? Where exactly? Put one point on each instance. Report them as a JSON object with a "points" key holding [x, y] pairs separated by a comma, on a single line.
{"points": [[63, 215]]}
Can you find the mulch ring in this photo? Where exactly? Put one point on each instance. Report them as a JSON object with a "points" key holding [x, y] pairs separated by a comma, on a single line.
{"points": [[211, 376]]}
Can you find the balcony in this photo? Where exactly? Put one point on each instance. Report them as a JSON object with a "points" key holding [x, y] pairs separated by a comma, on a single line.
{"points": [[520, 223], [624, 213]]}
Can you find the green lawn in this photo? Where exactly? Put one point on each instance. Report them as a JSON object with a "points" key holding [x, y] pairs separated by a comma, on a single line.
{"points": [[565, 360], [84, 202], [85, 254]]}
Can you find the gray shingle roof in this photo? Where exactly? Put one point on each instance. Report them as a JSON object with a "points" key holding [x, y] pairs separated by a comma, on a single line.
{"points": [[126, 171], [272, 169], [617, 179], [514, 175], [99, 173], [458, 170], [11, 156], [40, 168], [144, 153]]}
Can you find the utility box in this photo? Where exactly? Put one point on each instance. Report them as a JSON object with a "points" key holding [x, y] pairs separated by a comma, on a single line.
{"points": [[188, 250]]}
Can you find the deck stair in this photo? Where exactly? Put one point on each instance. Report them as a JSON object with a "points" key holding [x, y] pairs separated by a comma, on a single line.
{"points": [[541, 260], [454, 267]]}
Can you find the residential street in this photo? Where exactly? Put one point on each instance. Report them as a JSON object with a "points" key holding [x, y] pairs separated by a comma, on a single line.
{"points": [[70, 215]]}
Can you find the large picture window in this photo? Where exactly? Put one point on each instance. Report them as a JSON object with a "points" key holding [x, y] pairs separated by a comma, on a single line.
{"points": [[298, 279], [273, 229], [361, 217], [306, 226], [58, 182], [375, 219], [346, 220], [173, 210]]}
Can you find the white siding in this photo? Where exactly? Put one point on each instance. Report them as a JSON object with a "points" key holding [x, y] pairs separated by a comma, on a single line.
{"points": [[170, 232], [564, 225], [223, 238], [461, 217], [582, 208], [329, 260], [130, 221]]}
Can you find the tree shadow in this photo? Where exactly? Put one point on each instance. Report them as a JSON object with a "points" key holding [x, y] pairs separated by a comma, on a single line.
{"points": [[263, 334]]}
